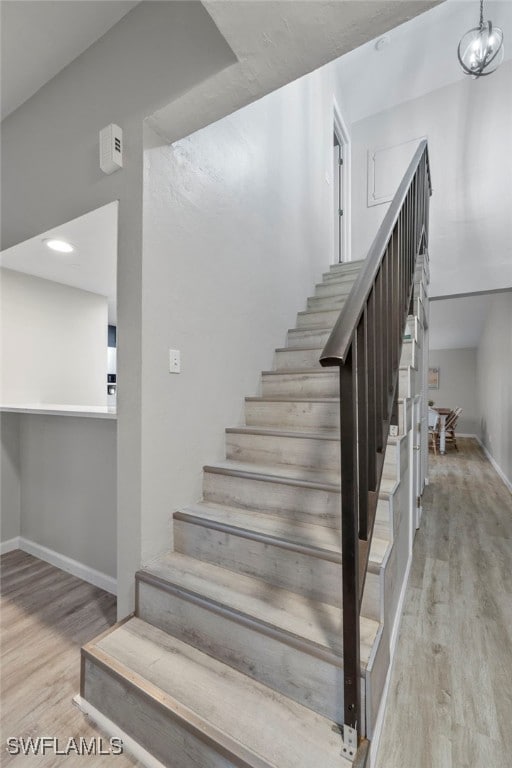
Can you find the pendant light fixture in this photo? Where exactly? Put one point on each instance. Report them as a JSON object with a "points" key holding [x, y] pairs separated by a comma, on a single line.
{"points": [[481, 49]]}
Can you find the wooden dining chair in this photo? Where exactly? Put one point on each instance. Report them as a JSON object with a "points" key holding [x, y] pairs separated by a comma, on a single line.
{"points": [[433, 429], [451, 423]]}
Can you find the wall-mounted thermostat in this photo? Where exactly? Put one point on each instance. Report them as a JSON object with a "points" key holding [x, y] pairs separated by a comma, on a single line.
{"points": [[111, 148]]}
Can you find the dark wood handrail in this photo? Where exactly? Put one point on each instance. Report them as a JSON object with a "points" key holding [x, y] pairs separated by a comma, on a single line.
{"points": [[337, 345], [366, 345]]}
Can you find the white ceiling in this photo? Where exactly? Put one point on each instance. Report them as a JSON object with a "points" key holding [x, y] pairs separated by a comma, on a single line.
{"points": [[41, 37], [420, 56], [92, 267]]}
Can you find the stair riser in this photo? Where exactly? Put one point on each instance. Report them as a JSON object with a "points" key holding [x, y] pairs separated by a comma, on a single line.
{"points": [[332, 277], [309, 680], [308, 338], [410, 354], [349, 268], [166, 738], [306, 574], [407, 383], [269, 449], [296, 359], [329, 278], [288, 414], [302, 452], [299, 504], [333, 288], [404, 416], [293, 359], [322, 384], [415, 328], [326, 302], [383, 520], [317, 319], [303, 573]]}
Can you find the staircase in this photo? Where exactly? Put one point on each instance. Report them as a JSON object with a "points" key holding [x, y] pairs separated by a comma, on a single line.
{"points": [[235, 654], [237, 634]]}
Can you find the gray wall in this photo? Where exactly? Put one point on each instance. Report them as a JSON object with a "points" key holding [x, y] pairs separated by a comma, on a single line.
{"points": [[468, 126], [53, 340], [155, 53], [68, 487], [494, 382], [457, 385], [9, 477], [238, 227]]}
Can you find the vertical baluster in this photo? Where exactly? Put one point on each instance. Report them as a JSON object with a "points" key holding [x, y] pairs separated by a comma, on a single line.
{"points": [[379, 366], [371, 384], [385, 340], [397, 304], [362, 425], [350, 544]]}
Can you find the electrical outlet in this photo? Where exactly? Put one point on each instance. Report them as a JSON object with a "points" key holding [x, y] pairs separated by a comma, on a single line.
{"points": [[174, 361]]}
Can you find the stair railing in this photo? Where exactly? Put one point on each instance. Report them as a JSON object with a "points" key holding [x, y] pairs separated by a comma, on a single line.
{"points": [[366, 345]]}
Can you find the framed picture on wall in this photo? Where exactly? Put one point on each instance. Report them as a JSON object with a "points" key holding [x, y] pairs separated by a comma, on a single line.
{"points": [[433, 378]]}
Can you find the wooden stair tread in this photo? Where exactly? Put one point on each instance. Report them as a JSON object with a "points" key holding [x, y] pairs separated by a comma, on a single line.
{"points": [[311, 477], [265, 728], [330, 371], [319, 539], [289, 473], [305, 348], [290, 398], [317, 433], [314, 622]]}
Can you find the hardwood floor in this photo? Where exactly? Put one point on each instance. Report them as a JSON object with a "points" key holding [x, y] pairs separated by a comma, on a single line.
{"points": [[450, 700], [46, 616]]}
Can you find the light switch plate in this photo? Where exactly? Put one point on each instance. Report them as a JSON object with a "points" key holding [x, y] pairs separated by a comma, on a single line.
{"points": [[174, 361]]}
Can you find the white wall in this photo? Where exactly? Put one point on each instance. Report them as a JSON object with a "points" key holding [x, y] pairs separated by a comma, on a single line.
{"points": [[457, 385], [54, 342], [468, 126], [68, 487], [494, 382], [9, 477], [237, 229], [50, 174]]}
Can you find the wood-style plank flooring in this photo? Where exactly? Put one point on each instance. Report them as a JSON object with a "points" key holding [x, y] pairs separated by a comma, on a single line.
{"points": [[450, 699], [46, 616]]}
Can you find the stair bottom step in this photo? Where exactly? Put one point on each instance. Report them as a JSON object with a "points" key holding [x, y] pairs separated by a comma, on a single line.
{"points": [[190, 710]]}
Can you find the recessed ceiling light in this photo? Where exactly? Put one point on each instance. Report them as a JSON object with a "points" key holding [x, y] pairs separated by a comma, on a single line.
{"points": [[62, 246]]}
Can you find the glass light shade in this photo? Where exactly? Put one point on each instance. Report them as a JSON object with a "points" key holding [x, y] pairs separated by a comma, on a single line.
{"points": [[481, 50]]}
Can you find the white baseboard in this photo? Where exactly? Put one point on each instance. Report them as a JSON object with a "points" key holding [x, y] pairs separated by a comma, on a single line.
{"points": [[495, 464], [113, 731], [99, 579], [379, 722], [10, 545]]}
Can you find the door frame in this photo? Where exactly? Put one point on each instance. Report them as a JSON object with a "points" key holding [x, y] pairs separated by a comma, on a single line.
{"points": [[340, 128]]}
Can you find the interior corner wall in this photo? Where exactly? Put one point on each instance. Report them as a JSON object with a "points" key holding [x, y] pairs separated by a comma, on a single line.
{"points": [[457, 385], [54, 342], [68, 487], [50, 174], [494, 359], [9, 477], [238, 227], [468, 125]]}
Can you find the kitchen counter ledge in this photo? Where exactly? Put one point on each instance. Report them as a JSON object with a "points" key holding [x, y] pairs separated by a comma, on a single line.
{"points": [[54, 409]]}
